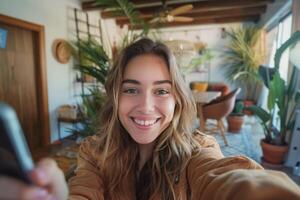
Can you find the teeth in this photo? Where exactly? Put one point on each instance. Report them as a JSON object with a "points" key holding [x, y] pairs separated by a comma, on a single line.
{"points": [[145, 123]]}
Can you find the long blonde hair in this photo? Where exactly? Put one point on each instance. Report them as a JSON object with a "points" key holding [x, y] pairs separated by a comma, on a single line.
{"points": [[174, 146]]}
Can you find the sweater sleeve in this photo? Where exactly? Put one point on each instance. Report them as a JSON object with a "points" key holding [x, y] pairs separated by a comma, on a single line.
{"points": [[235, 178], [87, 183]]}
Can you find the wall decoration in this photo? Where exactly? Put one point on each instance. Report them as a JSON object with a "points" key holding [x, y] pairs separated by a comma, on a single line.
{"points": [[61, 51], [184, 52]]}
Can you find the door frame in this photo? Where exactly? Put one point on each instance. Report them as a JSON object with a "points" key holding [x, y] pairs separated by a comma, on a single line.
{"points": [[40, 73]]}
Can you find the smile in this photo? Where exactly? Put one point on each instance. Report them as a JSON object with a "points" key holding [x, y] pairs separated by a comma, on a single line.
{"points": [[145, 122]]}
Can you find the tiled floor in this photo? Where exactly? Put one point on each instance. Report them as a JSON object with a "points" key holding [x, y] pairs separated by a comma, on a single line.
{"points": [[247, 143]]}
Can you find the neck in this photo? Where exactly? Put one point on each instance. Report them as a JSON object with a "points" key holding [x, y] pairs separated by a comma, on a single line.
{"points": [[145, 152]]}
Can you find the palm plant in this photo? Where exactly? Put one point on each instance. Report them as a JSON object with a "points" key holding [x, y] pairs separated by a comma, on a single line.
{"points": [[242, 58], [89, 111], [126, 8], [93, 61]]}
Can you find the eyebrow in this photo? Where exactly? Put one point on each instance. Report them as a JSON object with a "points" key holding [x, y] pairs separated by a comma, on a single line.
{"points": [[132, 81]]}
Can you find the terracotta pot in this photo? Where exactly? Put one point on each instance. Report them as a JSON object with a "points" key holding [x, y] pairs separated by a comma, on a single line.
{"points": [[273, 154], [248, 103], [235, 123]]}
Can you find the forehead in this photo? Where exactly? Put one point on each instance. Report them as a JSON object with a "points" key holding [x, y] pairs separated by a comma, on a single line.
{"points": [[147, 66]]}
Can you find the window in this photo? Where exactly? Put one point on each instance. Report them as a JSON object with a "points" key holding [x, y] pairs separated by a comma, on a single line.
{"points": [[278, 35], [283, 32]]}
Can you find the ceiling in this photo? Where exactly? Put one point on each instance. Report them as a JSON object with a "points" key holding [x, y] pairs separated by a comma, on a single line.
{"points": [[203, 12]]}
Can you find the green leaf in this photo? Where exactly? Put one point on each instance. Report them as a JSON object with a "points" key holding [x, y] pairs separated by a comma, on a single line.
{"points": [[238, 107], [291, 125], [93, 59], [292, 40], [261, 113], [297, 97], [277, 93]]}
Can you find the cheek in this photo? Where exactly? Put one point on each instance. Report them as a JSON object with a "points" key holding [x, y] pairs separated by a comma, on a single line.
{"points": [[126, 105], [169, 107], [123, 106]]}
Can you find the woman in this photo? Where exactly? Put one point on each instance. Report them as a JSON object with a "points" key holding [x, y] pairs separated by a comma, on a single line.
{"points": [[147, 149]]}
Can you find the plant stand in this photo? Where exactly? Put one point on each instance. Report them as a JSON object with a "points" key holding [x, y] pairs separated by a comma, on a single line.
{"points": [[268, 165]]}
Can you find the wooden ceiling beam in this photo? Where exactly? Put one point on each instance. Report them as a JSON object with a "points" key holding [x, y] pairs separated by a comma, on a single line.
{"points": [[203, 21], [198, 6], [90, 5], [208, 14]]}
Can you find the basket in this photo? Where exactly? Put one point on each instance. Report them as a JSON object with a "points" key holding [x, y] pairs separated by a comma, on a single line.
{"points": [[67, 112]]}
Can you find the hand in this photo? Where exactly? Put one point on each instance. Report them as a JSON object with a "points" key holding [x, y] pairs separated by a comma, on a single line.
{"points": [[48, 184]]}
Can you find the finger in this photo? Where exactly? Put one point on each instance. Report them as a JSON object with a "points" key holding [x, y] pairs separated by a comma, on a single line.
{"points": [[18, 190], [48, 174]]}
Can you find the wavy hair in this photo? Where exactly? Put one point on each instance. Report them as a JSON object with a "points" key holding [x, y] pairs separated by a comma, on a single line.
{"points": [[174, 146]]}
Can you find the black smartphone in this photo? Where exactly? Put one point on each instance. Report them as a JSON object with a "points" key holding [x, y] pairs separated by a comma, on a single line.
{"points": [[15, 157]]}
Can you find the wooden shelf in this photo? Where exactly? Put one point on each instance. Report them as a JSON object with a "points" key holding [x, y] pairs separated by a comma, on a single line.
{"points": [[67, 120]]}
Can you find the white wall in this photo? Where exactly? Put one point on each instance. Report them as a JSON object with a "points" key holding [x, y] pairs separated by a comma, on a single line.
{"points": [[210, 34], [56, 17]]}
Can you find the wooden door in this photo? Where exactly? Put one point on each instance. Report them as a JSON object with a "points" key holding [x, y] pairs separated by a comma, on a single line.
{"points": [[19, 81]]}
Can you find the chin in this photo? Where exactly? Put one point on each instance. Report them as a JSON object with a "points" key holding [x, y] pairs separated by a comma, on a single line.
{"points": [[144, 140]]}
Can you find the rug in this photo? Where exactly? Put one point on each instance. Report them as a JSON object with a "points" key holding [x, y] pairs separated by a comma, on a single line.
{"points": [[66, 159]]}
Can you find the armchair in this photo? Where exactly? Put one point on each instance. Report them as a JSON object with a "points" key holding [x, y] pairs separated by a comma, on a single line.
{"points": [[218, 109]]}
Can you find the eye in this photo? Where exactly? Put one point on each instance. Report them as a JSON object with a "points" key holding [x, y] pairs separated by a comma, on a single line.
{"points": [[130, 91], [162, 92]]}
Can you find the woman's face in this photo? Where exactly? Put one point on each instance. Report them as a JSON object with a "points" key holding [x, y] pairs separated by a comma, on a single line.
{"points": [[146, 104]]}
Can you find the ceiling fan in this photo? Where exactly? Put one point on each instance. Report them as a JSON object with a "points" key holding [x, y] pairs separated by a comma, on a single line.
{"points": [[170, 15]]}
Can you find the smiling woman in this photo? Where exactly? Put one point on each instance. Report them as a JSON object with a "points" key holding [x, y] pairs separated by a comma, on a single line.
{"points": [[147, 103], [150, 94], [147, 147]]}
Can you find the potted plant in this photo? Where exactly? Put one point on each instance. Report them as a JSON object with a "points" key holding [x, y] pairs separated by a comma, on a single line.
{"points": [[283, 100], [93, 62], [235, 119], [242, 59]]}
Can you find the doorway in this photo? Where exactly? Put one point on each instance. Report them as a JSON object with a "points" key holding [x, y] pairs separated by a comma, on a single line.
{"points": [[23, 82]]}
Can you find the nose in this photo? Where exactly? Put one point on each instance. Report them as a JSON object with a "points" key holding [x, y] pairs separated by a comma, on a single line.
{"points": [[147, 103]]}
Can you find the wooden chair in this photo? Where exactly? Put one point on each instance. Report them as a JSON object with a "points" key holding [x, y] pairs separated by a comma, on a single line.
{"points": [[222, 87], [218, 109]]}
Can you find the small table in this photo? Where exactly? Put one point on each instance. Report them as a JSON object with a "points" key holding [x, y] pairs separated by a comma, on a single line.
{"points": [[201, 99]]}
